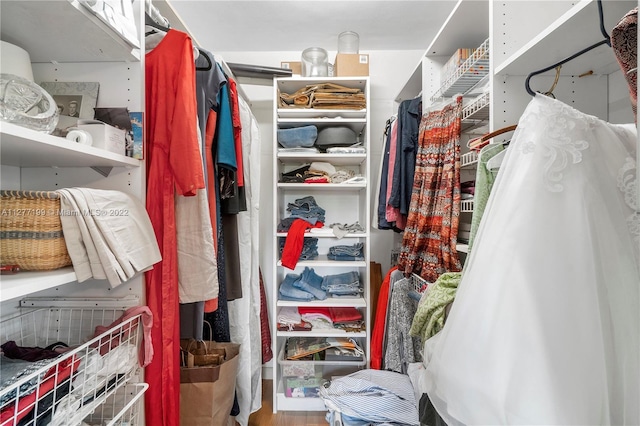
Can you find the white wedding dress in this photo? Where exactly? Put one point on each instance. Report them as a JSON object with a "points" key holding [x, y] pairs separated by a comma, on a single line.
{"points": [[545, 328]]}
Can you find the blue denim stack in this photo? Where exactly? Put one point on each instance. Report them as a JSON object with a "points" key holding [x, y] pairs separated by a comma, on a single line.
{"points": [[354, 252], [304, 287], [306, 208], [309, 248], [345, 284]]}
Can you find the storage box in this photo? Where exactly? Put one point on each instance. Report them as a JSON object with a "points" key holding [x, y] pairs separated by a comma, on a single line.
{"points": [[104, 136], [301, 379], [454, 62], [351, 64], [295, 67]]}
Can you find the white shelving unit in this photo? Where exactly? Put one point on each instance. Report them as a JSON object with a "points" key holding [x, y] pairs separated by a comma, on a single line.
{"points": [[68, 43], [343, 203], [32, 160], [523, 37]]}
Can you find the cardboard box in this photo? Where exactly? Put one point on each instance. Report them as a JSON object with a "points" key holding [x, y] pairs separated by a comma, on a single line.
{"points": [[295, 67], [104, 136], [351, 64]]}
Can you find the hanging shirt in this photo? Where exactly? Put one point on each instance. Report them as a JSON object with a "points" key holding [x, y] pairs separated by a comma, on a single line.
{"points": [[173, 164]]}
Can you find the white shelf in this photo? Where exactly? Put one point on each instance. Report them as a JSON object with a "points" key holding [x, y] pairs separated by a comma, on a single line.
{"points": [[297, 404], [466, 76], [323, 186], [413, 86], [24, 147], [25, 283], [575, 30], [290, 114], [311, 235], [476, 113], [30, 24], [322, 260], [335, 159], [462, 248], [357, 302], [466, 27], [321, 333], [308, 234]]}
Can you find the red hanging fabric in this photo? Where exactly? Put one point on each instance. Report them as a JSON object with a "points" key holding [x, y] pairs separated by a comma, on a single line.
{"points": [[173, 164]]}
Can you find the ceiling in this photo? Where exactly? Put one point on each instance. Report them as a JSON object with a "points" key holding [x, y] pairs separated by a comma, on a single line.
{"points": [[238, 26]]}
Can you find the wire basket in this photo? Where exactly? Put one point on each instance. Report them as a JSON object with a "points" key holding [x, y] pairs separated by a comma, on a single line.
{"points": [[123, 408], [31, 232], [63, 391]]}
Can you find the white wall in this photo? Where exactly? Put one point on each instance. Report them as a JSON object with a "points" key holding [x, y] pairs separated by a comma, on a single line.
{"points": [[388, 70]]}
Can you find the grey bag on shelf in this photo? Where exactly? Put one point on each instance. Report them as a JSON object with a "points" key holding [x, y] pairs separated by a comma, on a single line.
{"points": [[336, 136]]}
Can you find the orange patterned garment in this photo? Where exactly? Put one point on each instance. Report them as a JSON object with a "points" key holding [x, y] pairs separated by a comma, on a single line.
{"points": [[429, 242], [624, 41]]}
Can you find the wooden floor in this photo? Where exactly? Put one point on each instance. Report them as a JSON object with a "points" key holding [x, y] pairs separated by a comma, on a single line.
{"points": [[265, 416]]}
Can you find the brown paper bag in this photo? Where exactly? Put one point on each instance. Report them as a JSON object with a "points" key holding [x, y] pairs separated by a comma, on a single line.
{"points": [[207, 392], [205, 352]]}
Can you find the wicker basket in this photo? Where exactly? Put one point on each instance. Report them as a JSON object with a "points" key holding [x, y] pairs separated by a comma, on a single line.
{"points": [[31, 231]]}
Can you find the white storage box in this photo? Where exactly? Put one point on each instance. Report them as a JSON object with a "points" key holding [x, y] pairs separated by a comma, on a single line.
{"points": [[104, 136]]}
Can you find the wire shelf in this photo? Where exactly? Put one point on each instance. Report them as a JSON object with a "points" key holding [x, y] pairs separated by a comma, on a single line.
{"points": [[466, 206], [476, 113], [468, 159], [468, 75], [63, 390], [418, 283]]}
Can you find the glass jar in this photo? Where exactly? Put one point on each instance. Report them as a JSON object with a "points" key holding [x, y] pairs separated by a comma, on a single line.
{"points": [[315, 62], [348, 42]]}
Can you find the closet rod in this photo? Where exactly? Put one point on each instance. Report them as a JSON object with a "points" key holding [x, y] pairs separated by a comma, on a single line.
{"points": [[154, 18], [258, 71], [607, 41]]}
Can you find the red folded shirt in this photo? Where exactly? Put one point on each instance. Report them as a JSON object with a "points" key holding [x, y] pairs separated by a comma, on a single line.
{"points": [[337, 315]]}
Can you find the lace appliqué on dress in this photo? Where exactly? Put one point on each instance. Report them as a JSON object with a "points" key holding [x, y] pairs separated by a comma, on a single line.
{"points": [[560, 148], [627, 183]]}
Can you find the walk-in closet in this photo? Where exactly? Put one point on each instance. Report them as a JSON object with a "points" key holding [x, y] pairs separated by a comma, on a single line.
{"points": [[254, 213]]}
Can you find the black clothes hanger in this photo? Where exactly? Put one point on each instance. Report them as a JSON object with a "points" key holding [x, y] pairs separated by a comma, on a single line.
{"points": [[208, 59], [607, 41], [150, 22]]}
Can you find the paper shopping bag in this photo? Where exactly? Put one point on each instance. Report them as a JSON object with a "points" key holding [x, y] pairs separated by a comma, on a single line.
{"points": [[205, 352], [207, 392]]}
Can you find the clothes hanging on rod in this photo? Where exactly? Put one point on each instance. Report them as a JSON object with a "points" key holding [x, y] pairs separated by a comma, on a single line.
{"points": [[429, 240], [170, 78], [228, 134], [526, 308]]}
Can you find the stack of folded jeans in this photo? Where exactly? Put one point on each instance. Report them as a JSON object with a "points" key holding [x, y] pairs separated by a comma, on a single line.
{"points": [[342, 285], [309, 248], [354, 252], [304, 287], [306, 208]]}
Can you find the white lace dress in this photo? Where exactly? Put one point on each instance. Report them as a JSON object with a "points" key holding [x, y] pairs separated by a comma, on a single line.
{"points": [[545, 327]]}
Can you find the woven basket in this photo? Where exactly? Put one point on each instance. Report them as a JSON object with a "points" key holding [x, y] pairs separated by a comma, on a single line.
{"points": [[31, 231]]}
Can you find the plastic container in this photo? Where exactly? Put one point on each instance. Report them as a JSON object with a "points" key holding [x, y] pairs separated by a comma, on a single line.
{"points": [[315, 62], [348, 42], [301, 379]]}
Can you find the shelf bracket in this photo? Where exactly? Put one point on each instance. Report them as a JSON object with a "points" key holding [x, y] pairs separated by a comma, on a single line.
{"points": [[103, 170]]}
